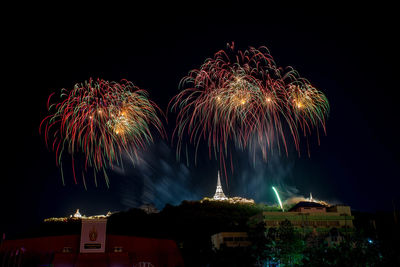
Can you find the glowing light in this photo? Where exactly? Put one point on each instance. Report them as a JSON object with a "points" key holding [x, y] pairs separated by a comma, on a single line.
{"points": [[77, 214], [219, 193], [279, 199]]}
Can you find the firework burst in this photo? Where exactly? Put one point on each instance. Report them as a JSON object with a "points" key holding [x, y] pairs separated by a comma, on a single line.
{"points": [[100, 120], [245, 98]]}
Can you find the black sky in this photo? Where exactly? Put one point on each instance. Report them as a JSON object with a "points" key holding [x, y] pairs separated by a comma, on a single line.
{"points": [[348, 52]]}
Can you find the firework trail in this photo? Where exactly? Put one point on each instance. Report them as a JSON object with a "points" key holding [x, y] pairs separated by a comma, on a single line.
{"points": [[100, 120], [279, 199], [245, 98]]}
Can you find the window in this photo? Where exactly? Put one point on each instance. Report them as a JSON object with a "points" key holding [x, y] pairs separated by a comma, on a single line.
{"points": [[67, 250], [92, 245], [144, 264], [117, 249]]}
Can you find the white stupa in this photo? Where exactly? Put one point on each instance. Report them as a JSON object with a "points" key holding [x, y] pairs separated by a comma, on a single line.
{"points": [[219, 194], [77, 214]]}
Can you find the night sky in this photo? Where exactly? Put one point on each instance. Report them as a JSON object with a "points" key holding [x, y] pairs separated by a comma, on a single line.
{"points": [[347, 52]]}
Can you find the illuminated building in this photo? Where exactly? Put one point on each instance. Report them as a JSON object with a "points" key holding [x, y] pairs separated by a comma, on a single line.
{"points": [[92, 247], [77, 214], [309, 217], [219, 194]]}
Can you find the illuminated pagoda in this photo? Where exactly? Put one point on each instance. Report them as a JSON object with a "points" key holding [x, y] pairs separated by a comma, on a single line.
{"points": [[77, 214], [219, 194]]}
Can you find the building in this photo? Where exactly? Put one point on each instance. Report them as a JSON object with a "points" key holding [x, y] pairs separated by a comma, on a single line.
{"points": [[64, 251], [308, 206], [230, 239], [77, 217], [309, 217], [219, 194], [93, 247], [77, 214]]}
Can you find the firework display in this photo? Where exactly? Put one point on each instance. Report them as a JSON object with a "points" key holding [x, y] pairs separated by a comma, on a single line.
{"points": [[100, 120], [279, 199], [244, 98]]}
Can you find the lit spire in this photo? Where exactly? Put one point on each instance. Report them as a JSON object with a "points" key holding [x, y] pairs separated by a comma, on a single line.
{"points": [[77, 214], [219, 194]]}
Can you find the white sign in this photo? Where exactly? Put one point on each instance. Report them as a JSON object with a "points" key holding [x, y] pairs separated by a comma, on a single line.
{"points": [[93, 235]]}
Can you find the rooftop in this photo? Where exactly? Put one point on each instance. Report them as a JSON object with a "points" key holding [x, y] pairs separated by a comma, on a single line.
{"points": [[307, 204]]}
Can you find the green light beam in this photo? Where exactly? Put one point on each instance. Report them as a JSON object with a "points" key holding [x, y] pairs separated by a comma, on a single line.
{"points": [[277, 196]]}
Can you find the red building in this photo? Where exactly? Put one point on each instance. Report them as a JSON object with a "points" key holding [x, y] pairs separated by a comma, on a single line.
{"points": [[64, 251]]}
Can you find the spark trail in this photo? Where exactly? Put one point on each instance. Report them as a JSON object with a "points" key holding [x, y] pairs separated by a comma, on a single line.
{"points": [[243, 98], [101, 120]]}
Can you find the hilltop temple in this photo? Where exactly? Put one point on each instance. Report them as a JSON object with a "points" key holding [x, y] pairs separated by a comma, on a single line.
{"points": [[220, 196], [219, 193]]}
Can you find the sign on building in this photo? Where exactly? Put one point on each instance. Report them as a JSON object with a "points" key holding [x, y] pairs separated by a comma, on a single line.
{"points": [[93, 235]]}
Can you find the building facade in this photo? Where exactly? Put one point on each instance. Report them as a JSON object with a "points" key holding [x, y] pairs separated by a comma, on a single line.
{"points": [[309, 217], [93, 247]]}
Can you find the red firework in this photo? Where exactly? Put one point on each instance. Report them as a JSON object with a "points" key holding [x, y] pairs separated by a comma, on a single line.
{"points": [[245, 98]]}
